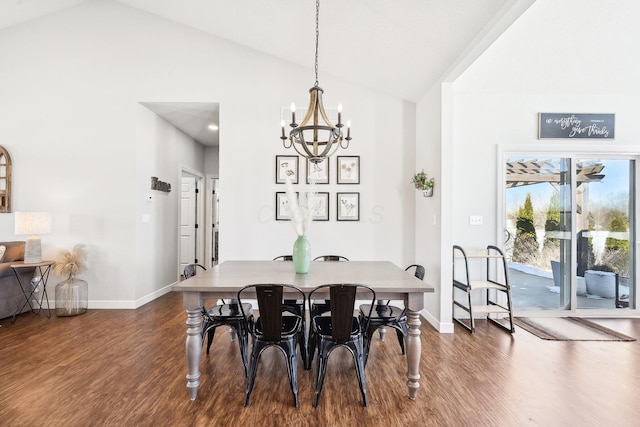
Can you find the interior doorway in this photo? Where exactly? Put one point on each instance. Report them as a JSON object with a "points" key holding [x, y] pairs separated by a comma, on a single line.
{"points": [[212, 246], [191, 236]]}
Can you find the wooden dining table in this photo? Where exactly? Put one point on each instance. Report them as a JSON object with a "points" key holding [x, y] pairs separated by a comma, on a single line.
{"points": [[224, 280]]}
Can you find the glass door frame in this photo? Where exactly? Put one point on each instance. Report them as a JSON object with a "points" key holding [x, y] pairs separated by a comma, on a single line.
{"points": [[574, 153]]}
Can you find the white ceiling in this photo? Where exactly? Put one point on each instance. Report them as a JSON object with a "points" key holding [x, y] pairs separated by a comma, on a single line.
{"points": [[399, 47], [192, 118]]}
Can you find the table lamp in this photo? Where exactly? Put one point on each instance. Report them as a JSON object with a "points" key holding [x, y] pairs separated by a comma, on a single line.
{"points": [[32, 223]]}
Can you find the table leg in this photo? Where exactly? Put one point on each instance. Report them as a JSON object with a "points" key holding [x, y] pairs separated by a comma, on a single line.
{"points": [[193, 349], [414, 350]]}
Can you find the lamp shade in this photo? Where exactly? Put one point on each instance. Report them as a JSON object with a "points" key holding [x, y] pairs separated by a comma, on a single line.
{"points": [[33, 223]]}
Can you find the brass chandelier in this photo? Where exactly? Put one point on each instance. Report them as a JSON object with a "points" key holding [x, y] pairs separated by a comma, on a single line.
{"points": [[316, 138]]}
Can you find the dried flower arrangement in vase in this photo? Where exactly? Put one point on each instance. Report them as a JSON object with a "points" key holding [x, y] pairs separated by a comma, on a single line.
{"points": [[71, 294]]}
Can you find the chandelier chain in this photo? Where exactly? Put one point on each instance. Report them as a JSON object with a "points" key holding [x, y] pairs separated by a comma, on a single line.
{"points": [[317, 37]]}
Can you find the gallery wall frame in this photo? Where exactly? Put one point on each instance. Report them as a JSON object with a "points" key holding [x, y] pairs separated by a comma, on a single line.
{"points": [[318, 173], [320, 206], [348, 169], [282, 206], [287, 166], [348, 206]]}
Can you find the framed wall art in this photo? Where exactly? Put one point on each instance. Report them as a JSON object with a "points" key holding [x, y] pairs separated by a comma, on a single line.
{"points": [[287, 166], [348, 207], [348, 169], [320, 206], [318, 173], [282, 206]]}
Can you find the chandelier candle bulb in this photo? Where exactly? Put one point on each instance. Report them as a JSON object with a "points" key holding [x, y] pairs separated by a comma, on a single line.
{"points": [[293, 114], [348, 130], [339, 114], [282, 126]]}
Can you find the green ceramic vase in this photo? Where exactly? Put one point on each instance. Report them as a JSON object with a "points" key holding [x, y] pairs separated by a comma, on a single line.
{"points": [[301, 255]]}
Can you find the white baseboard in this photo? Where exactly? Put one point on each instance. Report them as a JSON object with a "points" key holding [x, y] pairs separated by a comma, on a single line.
{"points": [[123, 304], [442, 327], [153, 295]]}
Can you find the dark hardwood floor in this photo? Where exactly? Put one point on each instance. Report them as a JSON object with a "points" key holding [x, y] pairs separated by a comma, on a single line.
{"points": [[127, 368]]}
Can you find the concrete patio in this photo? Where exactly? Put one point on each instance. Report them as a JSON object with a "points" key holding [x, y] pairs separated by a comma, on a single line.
{"points": [[536, 292]]}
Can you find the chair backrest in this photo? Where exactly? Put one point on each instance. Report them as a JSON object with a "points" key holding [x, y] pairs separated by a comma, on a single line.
{"points": [[342, 299], [419, 273], [191, 270], [331, 258], [284, 258], [269, 298]]}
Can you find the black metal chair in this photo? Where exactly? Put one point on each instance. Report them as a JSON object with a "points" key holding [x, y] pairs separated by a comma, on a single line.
{"points": [[290, 305], [331, 258], [224, 315], [236, 316], [323, 307], [384, 315], [190, 270], [273, 329], [342, 328], [320, 307]]}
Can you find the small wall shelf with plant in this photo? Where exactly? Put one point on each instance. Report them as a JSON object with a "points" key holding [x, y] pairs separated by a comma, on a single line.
{"points": [[423, 183]]}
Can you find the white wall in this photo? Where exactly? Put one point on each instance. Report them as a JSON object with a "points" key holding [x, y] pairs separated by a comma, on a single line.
{"points": [[162, 150], [84, 148], [568, 56], [212, 161], [429, 221]]}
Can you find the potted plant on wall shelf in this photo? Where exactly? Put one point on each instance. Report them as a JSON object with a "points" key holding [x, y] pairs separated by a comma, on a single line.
{"points": [[71, 294], [423, 183]]}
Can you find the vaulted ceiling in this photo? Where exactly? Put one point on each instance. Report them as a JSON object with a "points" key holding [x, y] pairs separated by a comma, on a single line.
{"points": [[399, 47]]}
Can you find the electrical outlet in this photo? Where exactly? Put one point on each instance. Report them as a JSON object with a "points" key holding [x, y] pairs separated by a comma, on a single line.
{"points": [[475, 220]]}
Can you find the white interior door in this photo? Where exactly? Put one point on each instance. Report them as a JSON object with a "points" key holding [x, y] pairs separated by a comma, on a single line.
{"points": [[188, 221]]}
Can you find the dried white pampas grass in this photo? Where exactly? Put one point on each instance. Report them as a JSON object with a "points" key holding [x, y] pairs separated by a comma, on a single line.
{"points": [[70, 263], [300, 208]]}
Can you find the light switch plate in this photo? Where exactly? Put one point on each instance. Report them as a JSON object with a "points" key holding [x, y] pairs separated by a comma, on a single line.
{"points": [[475, 220]]}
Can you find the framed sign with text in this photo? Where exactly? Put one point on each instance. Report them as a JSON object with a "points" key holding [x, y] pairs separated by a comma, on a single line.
{"points": [[574, 126]]}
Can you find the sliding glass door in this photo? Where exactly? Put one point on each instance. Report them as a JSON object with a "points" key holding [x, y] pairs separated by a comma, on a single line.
{"points": [[570, 227]]}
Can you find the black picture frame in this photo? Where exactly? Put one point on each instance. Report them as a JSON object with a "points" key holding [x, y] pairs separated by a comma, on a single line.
{"points": [[348, 206], [318, 172], [348, 169], [282, 203], [321, 206], [287, 166]]}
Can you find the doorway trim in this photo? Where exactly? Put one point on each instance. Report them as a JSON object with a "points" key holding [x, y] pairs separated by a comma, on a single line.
{"points": [[212, 224], [200, 235]]}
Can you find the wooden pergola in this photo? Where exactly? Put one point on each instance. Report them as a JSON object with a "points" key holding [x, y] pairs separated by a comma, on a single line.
{"points": [[521, 172]]}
